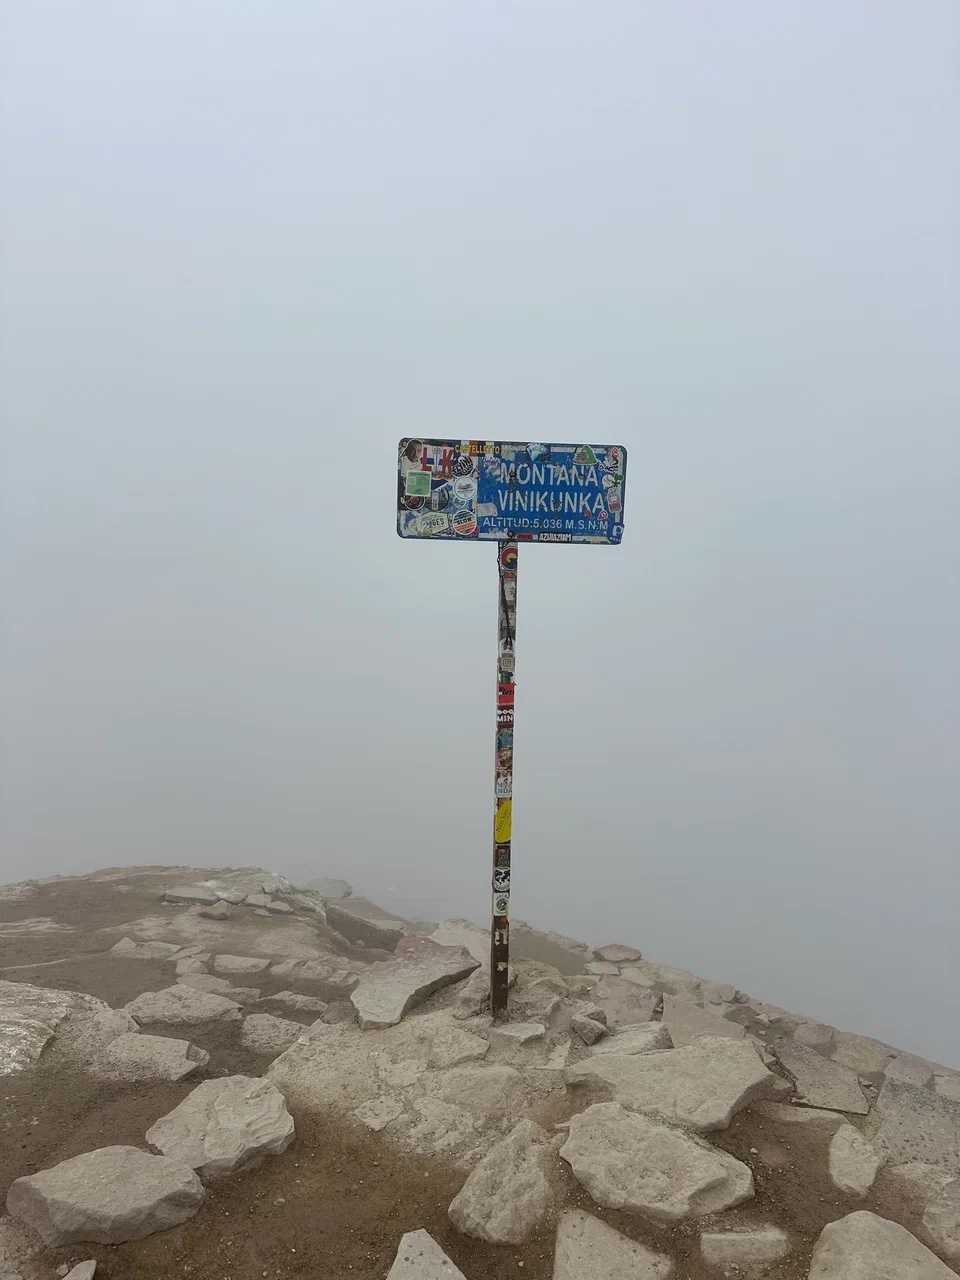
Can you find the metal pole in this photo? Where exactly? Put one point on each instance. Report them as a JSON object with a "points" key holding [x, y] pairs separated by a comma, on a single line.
{"points": [[503, 779]]}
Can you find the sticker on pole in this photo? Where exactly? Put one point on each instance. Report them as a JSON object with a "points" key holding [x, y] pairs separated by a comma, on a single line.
{"points": [[475, 490]]}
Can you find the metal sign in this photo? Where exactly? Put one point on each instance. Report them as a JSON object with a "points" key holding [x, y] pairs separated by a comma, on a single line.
{"points": [[492, 489]]}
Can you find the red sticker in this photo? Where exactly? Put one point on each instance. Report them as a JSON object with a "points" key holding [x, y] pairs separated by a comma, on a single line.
{"points": [[505, 695]]}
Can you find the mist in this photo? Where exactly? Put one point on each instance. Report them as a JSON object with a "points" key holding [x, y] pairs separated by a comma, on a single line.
{"points": [[248, 247]]}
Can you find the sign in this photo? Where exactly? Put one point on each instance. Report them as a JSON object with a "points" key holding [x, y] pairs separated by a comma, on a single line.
{"points": [[473, 490]]}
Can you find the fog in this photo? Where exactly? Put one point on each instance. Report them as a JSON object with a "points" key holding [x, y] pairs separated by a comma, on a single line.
{"points": [[248, 246]]}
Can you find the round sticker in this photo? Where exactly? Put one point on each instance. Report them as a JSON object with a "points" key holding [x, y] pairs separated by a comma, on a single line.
{"points": [[465, 524], [463, 466], [412, 504], [465, 487]]}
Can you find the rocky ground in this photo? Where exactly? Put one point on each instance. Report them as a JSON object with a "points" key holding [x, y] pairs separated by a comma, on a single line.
{"points": [[217, 1074]]}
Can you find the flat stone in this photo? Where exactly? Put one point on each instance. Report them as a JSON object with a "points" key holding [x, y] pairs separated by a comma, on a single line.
{"points": [[947, 1086], [782, 1113], [820, 1082], [190, 893], [461, 933], [918, 1124], [328, 887], [617, 953], [624, 1003], [853, 1161], [240, 964], [182, 1005], [258, 899], [29, 1017], [223, 1125], [483, 1089], [279, 908], [138, 1057], [744, 1248], [451, 1047], [439, 1128], [219, 911], [862, 1246], [329, 1066], [379, 1112], [634, 1163], [419, 1257], [601, 967], [508, 1194], [387, 990], [719, 992], [588, 1030], [191, 965], [263, 1033], [645, 1037], [106, 1196], [861, 1054], [222, 986], [332, 979], [514, 1033], [815, 1035], [130, 950], [941, 1221], [907, 1068], [702, 1085], [688, 1021], [82, 1271], [587, 1249], [302, 1003], [383, 934]]}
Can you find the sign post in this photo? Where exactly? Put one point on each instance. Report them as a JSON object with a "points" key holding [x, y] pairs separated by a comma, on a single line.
{"points": [[491, 490]]}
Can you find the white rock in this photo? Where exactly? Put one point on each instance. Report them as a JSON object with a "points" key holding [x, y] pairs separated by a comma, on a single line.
{"points": [[588, 1030], [294, 1000], [687, 1021], [820, 1082], [640, 1165], [782, 1113], [815, 1035], [379, 1112], [941, 1221], [645, 1037], [30, 1017], [514, 1033], [601, 967], [330, 888], [862, 1246], [182, 1005], [239, 964], [439, 1128], [381, 934], [258, 899], [719, 992], [263, 1033], [508, 1194], [745, 1249], [947, 1086], [907, 1068], [486, 1089], [617, 953], [138, 1057], [130, 950], [328, 1066], [421, 1258], [461, 933], [389, 989], [330, 976], [107, 1196], [82, 1271], [219, 911], [587, 1249], [222, 987], [624, 1002], [854, 1163], [860, 1053], [191, 965], [190, 893], [702, 1085], [918, 1124], [451, 1047], [224, 1125]]}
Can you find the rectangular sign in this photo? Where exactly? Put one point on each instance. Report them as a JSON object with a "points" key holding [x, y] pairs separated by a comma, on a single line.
{"points": [[493, 489]]}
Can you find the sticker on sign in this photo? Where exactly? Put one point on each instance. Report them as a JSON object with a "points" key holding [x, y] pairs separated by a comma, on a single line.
{"points": [[511, 491]]}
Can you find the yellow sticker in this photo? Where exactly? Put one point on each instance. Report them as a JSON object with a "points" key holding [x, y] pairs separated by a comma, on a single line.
{"points": [[503, 823]]}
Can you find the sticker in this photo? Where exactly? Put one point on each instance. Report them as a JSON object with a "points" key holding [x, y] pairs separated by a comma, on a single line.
{"points": [[505, 692], [418, 484], [465, 487], [507, 656], [501, 938], [443, 462], [475, 448], [501, 855], [440, 498], [503, 822], [612, 461], [501, 904], [503, 787], [504, 739], [508, 558], [465, 524], [501, 880], [430, 523], [412, 504], [585, 457], [504, 717], [537, 451], [463, 465], [613, 500]]}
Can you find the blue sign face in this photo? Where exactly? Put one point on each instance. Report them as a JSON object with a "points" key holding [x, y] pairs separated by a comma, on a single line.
{"points": [[493, 489]]}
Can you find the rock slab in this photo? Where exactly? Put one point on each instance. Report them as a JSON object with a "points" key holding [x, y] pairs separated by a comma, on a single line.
{"points": [[138, 1057], [508, 1193], [854, 1162], [702, 1085], [106, 1196], [918, 1124], [421, 1258], [744, 1248], [862, 1246], [388, 989], [587, 1249], [225, 1125], [182, 1006], [632, 1162], [263, 1033], [820, 1082]]}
